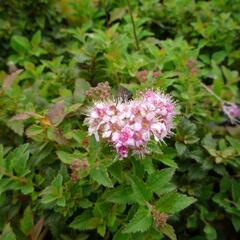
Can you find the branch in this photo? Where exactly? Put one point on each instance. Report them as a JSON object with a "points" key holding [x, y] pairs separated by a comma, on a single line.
{"points": [[133, 24]]}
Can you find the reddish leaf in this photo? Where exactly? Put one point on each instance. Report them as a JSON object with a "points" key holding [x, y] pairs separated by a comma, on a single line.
{"points": [[81, 86], [37, 229], [9, 79], [59, 137], [56, 113], [24, 116]]}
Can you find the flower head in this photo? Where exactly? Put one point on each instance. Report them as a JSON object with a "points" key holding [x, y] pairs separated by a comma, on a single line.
{"points": [[100, 92], [129, 126], [232, 111]]}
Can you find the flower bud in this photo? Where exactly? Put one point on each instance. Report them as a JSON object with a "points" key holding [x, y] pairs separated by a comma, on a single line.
{"points": [[142, 75], [75, 165], [191, 63], [84, 164], [85, 142], [156, 74], [160, 219], [100, 92], [74, 176]]}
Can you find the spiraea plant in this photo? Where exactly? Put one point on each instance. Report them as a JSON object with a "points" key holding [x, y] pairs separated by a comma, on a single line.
{"points": [[130, 125], [119, 120]]}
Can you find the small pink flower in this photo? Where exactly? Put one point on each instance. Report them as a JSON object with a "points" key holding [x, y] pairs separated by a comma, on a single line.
{"points": [[156, 74], [122, 151], [115, 136], [142, 75], [137, 126], [149, 94], [138, 138], [124, 136], [232, 111], [159, 131]]}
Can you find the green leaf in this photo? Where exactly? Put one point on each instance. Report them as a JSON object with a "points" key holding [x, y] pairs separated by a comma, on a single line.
{"points": [[26, 222], [8, 233], [61, 202], [121, 195], [19, 158], [85, 203], [36, 39], [81, 85], [218, 84], [65, 157], [100, 175], [2, 163], [235, 190], [219, 56], [140, 222], [205, 58], [173, 202], [20, 44], [117, 13], [85, 221], [168, 230], [17, 127], [209, 142], [160, 179], [225, 184], [6, 184], [236, 222], [93, 149], [141, 192], [234, 143], [181, 148], [101, 209], [57, 182], [231, 76], [210, 232], [101, 229], [148, 165], [168, 161], [116, 171], [27, 188], [54, 192], [192, 220], [79, 135], [121, 236], [35, 132]]}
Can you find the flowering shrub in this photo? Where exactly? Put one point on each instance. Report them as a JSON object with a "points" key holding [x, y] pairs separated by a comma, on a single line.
{"points": [[78, 91], [130, 125]]}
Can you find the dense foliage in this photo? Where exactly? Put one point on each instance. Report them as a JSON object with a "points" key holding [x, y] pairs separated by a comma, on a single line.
{"points": [[57, 59]]}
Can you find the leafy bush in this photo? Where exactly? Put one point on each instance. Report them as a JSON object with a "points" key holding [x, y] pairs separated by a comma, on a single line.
{"points": [[56, 181]]}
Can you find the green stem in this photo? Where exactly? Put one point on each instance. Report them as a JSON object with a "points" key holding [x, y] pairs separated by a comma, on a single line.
{"points": [[19, 179], [213, 94], [150, 207], [230, 201], [133, 24]]}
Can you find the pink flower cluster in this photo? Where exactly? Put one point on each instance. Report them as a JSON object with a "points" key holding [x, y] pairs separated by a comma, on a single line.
{"points": [[143, 75], [232, 110], [129, 126]]}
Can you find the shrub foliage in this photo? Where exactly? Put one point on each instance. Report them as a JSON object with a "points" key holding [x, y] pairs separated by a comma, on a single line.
{"points": [[56, 181]]}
